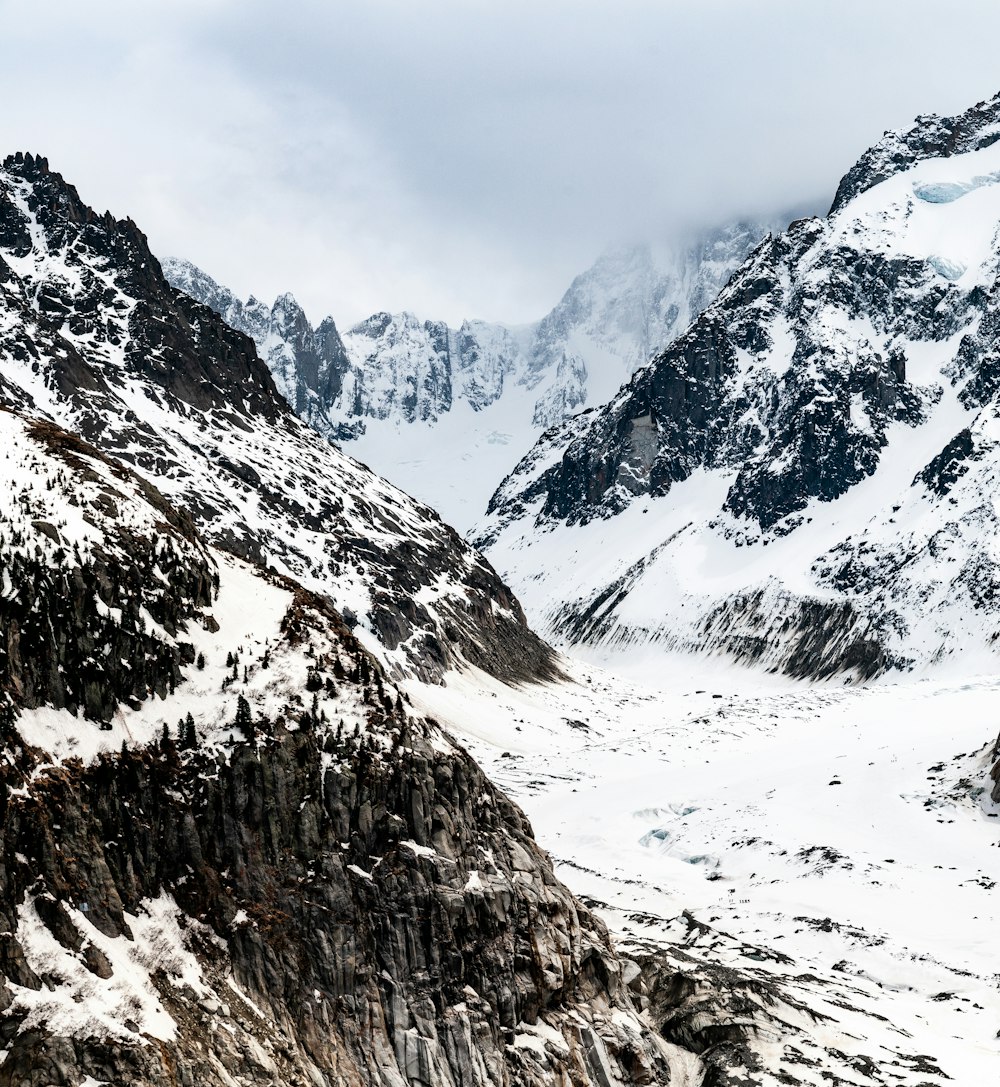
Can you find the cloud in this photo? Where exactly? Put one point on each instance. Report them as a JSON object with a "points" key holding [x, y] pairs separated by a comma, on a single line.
{"points": [[462, 159]]}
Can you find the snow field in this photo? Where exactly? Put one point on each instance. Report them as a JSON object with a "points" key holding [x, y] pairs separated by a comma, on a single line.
{"points": [[847, 829], [124, 1005]]}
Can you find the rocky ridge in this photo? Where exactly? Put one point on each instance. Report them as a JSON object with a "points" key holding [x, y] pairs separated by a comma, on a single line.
{"points": [[396, 367], [93, 338], [308, 365], [800, 480]]}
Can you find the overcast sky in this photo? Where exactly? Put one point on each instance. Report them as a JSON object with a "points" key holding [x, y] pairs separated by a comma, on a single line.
{"points": [[464, 159]]}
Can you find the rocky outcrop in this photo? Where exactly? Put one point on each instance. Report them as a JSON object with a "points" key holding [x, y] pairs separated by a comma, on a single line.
{"points": [[387, 920], [158, 334], [302, 883], [404, 369], [702, 403], [995, 773], [308, 365]]}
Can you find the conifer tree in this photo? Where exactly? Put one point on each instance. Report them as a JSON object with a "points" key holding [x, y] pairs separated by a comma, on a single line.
{"points": [[244, 719], [189, 738]]}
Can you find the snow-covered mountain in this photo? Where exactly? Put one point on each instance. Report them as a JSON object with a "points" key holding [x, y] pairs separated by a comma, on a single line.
{"points": [[238, 847], [805, 478], [93, 338], [235, 844], [414, 398], [308, 365]]}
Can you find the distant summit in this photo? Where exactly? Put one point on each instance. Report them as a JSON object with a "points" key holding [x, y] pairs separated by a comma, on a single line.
{"points": [[410, 396]]}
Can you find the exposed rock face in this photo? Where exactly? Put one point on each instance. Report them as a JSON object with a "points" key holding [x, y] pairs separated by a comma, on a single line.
{"points": [[308, 365], [404, 368], [995, 773], [840, 394], [94, 338], [427, 970], [262, 895], [136, 321], [700, 403]]}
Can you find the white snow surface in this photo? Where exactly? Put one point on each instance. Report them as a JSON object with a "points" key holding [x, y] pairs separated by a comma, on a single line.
{"points": [[837, 841], [127, 1005]]}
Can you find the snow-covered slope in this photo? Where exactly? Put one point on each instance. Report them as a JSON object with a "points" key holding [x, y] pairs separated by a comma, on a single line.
{"points": [[412, 398], [97, 590], [806, 477], [93, 338]]}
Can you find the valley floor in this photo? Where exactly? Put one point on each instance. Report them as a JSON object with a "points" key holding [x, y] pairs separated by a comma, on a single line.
{"points": [[835, 846]]}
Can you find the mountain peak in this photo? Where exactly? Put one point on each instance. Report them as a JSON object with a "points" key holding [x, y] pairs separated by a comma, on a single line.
{"points": [[25, 162], [97, 340], [394, 369], [805, 446], [930, 136]]}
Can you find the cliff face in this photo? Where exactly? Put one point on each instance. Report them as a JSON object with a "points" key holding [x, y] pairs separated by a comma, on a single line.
{"points": [[307, 364], [995, 773], [385, 918], [253, 863]]}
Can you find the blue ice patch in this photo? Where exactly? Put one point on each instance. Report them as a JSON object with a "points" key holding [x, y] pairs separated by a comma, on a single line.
{"points": [[950, 269], [941, 192], [944, 192]]}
